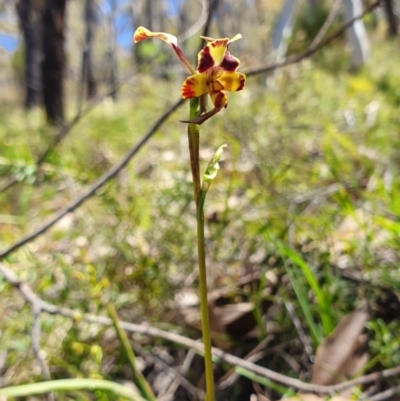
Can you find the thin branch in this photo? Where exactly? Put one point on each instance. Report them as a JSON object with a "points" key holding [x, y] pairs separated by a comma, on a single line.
{"points": [[305, 340], [176, 376], [113, 172], [328, 22], [144, 329], [36, 335], [179, 380], [385, 395], [9, 183], [311, 50], [211, 7], [197, 25]]}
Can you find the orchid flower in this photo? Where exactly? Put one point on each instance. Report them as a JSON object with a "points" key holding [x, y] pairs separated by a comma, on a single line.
{"points": [[215, 73]]}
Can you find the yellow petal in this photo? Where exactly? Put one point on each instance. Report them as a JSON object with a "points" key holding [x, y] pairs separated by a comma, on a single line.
{"points": [[235, 38], [194, 86], [143, 33], [232, 81], [219, 99], [214, 54]]}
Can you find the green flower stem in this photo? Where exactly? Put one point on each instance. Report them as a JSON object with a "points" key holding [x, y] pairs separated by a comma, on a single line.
{"points": [[194, 145], [193, 136]]}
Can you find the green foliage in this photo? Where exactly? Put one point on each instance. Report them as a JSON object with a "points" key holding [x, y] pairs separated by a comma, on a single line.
{"points": [[385, 342]]}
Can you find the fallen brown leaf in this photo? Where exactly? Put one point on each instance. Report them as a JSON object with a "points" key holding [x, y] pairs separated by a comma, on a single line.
{"points": [[343, 353]]}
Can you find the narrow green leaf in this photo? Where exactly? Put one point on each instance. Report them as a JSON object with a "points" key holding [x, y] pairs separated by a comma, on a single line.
{"points": [[322, 301], [261, 380], [210, 174], [137, 376]]}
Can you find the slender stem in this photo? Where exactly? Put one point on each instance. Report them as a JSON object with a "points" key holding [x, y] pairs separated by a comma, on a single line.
{"points": [[194, 141], [193, 136], [205, 321]]}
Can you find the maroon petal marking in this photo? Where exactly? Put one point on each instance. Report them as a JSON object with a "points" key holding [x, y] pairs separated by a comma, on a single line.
{"points": [[230, 63], [205, 61]]}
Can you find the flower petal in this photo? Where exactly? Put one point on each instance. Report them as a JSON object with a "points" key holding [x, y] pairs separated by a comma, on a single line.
{"points": [[230, 63], [232, 81], [143, 33], [219, 99], [214, 54], [194, 86], [235, 38]]}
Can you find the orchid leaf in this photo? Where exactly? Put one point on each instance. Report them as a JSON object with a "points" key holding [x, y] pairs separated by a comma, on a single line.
{"points": [[210, 174]]}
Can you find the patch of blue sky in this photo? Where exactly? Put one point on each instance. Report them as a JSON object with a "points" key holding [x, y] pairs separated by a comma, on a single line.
{"points": [[124, 27], [173, 6], [8, 42]]}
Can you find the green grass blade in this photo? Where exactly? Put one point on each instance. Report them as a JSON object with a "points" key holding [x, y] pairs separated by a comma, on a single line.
{"points": [[70, 385], [301, 294], [261, 380], [322, 301], [137, 376]]}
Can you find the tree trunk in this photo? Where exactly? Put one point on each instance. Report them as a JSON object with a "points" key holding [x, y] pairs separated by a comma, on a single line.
{"points": [[111, 53], [30, 21], [87, 56], [53, 60], [284, 28], [356, 35], [391, 18], [149, 14]]}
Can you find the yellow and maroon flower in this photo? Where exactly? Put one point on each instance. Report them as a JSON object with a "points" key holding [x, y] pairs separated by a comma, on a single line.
{"points": [[215, 73]]}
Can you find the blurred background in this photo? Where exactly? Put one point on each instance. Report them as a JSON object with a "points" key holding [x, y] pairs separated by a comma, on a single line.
{"points": [[303, 219]]}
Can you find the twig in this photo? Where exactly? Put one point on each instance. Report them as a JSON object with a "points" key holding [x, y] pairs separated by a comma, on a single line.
{"points": [[232, 376], [98, 184], [177, 377], [254, 355], [312, 50], [305, 340], [198, 24], [32, 298], [10, 182], [385, 395], [170, 389], [328, 22], [211, 8], [36, 335]]}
